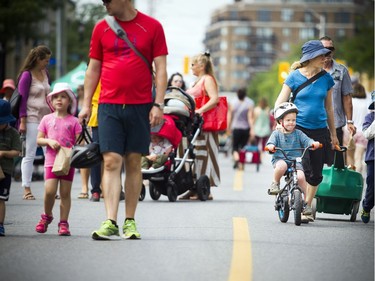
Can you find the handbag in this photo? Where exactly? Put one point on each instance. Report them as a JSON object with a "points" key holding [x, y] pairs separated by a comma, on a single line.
{"points": [[215, 119], [15, 101], [88, 155], [61, 166], [120, 32]]}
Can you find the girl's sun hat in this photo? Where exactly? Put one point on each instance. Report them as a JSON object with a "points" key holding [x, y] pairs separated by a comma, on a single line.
{"points": [[59, 88]]}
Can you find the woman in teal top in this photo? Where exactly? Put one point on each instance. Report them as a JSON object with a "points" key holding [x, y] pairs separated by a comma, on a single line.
{"points": [[315, 111]]}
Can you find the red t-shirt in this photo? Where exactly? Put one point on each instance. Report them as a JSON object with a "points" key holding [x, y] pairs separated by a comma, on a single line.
{"points": [[125, 77]]}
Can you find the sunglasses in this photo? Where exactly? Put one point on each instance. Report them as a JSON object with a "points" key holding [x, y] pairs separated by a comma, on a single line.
{"points": [[330, 48], [106, 2]]}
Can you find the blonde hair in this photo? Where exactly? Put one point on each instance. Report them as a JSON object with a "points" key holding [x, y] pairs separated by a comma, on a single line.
{"points": [[206, 60], [297, 64]]}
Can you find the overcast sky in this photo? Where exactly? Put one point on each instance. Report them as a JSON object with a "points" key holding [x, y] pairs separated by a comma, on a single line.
{"points": [[184, 25]]}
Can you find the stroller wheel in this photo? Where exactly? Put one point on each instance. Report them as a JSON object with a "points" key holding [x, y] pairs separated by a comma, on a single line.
{"points": [[154, 192], [172, 191], [143, 193], [203, 188]]}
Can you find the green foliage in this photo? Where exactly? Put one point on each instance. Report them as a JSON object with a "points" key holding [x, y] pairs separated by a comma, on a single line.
{"points": [[359, 50]]}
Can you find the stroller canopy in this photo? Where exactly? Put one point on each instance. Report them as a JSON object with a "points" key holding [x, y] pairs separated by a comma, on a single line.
{"points": [[168, 130]]}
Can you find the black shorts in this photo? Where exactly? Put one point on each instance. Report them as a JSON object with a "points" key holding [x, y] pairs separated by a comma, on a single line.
{"points": [[124, 128], [240, 138], [5, 187]]}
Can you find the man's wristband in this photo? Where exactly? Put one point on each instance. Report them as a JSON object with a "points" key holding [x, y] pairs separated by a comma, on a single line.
{"points": [[350, 122]]}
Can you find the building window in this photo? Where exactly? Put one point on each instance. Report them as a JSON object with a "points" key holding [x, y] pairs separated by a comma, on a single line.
{"points": [[264, 15], [308, 17], [285, 46], [306, 33], [242, 30], [241, 45], [264, 32], [224, 31], [340, 33], [241, 60], [286, 14], [286, 32], [342, 17], [223, 61], [223, 45]]}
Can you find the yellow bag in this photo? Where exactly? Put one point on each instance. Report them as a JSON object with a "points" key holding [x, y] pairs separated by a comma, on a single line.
{"points": [[61, 166]]}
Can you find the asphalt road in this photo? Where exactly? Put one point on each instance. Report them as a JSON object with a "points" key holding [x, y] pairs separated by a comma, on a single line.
{"points": [[237, 236]]}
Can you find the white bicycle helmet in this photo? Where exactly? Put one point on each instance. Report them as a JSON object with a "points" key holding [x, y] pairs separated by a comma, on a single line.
{"points": [[283, 109]]}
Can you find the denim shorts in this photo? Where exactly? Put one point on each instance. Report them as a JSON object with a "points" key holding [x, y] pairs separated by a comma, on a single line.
{"points": [[124, 128]]}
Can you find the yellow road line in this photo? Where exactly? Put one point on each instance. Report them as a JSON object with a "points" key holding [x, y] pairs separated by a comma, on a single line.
{"points": [[241, 267], [238, 181]]}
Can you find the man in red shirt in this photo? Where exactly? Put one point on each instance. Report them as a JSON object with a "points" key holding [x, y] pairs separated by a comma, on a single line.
{"points": [[126, 109]]}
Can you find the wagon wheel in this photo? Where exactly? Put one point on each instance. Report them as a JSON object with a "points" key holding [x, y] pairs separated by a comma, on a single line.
{"points": [[353, 215]]}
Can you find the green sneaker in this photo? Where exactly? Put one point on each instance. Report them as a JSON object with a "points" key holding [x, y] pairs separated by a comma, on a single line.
{"points": [[130, 230], [107, 231], [365, 216]]}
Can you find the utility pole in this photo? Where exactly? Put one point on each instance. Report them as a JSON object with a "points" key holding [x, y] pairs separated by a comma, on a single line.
{"points": [[322, 22]]}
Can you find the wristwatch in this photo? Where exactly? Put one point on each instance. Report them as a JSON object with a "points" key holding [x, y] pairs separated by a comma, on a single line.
{"points": [[160, 105], [349, 121]]}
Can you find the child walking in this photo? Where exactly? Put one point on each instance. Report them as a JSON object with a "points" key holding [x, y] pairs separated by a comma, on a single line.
{"points": [[58, 129], [288, 137], [10, 147]]}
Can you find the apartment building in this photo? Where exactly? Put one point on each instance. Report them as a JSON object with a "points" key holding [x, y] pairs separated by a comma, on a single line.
{"points": [[249, 36]]}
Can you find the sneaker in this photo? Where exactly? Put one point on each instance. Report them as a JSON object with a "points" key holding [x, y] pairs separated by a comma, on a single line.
{"points": [[274, 189], [310, 218], [42, 225], [107, 231], [64, 228], [365, 216], [2, 230], [95, 197], [307, 210], [130, 230], [304, 219]]}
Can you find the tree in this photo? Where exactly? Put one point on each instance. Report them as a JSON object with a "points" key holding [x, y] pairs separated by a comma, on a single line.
{"points": [[19, 19], [358, 51]]}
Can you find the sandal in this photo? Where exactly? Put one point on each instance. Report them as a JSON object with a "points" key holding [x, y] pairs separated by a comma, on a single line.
{"points": [[28, 196], [83, 195]]}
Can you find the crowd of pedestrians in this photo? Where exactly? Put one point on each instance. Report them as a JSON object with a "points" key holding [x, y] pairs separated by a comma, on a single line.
{"points": [[322, 112]]}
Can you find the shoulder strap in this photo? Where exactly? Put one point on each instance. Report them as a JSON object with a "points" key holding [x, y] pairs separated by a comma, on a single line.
{"points": [[120, 32], [306, 83]]}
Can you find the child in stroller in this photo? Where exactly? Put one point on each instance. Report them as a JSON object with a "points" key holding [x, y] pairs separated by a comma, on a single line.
{"points": [[176, 175], [159, 150]]}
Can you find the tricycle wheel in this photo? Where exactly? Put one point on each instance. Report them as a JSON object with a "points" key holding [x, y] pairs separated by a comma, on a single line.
{"points": [[313, 207], [284, 209], [353, 216]]}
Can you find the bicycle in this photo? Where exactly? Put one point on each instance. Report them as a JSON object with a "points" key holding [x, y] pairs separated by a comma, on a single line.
{"points": [[290, 196]]}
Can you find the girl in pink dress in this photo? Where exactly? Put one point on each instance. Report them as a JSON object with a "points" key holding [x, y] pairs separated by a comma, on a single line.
{"points": [[58, 129]]}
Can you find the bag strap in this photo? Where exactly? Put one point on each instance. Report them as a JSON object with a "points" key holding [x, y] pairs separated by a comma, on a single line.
{"points": [[84, 135], [306, 83], [120, 32]]}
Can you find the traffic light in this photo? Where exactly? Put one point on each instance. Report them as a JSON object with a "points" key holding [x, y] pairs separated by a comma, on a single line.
{"points": [[186, 65], [284, 68]]}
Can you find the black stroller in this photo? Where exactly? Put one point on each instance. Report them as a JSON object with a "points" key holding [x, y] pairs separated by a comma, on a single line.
{"points": [[177, 175]]}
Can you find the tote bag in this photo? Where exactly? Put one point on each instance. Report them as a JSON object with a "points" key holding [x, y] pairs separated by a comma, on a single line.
{"points": [[215, 119]]}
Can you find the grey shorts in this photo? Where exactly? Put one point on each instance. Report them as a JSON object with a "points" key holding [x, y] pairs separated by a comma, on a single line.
{"points": [[124, 128]]}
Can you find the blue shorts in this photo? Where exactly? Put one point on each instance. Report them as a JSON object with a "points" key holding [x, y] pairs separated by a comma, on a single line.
{"points": [[5, 187], [124, 128]]}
